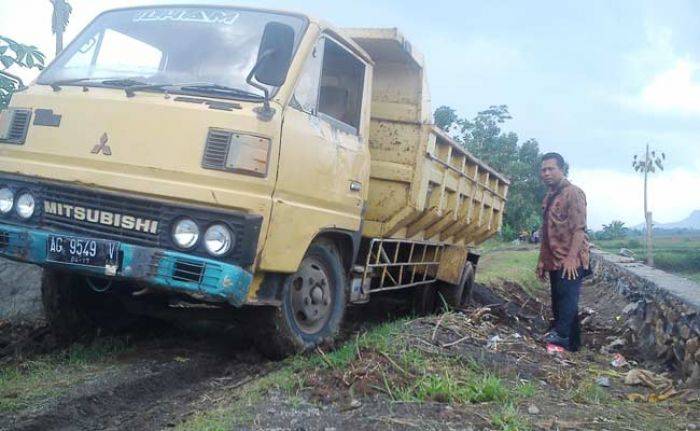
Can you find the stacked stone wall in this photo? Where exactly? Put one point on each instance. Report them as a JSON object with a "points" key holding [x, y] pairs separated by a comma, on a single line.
{"points": [[663, 314]]}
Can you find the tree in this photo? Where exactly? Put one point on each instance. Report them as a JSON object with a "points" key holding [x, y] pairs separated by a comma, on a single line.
{"points": [[649, 164], [445, 118], [483, 137], [59, 21], [615, 230], [13, 53]]}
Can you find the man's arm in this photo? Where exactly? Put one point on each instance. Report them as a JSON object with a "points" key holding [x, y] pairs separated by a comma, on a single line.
{"points": [[541, 273], [577, 226]]}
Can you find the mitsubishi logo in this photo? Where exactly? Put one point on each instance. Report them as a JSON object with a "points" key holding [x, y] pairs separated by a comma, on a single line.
{"points": [[102, 147]]}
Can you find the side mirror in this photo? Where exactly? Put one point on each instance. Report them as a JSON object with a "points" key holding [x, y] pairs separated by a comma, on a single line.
{"points": [[275, 54]]}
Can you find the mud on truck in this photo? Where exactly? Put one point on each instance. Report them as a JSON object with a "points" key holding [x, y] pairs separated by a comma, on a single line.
{"points": [[238, 162]]}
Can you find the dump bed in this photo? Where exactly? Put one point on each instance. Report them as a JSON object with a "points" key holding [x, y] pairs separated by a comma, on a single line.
{"points": [[423, 184]]}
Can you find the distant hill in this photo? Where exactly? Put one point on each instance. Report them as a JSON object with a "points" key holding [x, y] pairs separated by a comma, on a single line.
{"points": [[692, 222]]}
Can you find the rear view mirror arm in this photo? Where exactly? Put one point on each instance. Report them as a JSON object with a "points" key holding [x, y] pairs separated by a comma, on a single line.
{"points": [[266, 111]]}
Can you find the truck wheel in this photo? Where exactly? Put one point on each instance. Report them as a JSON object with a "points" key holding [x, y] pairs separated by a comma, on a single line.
{"points": [[459, 295], [425, 299], [468, 283], [65, 317], [313, 305], [74, 310]]}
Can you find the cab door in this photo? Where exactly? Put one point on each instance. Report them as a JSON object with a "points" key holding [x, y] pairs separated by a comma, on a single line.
{"points": [[324, 159]]}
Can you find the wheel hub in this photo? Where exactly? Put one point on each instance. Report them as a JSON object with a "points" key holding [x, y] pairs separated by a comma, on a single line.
{"points": [[310, 296]]}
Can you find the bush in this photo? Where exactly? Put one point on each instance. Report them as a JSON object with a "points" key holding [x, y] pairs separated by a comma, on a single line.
{"points": [[678, 261], [633, 243]]}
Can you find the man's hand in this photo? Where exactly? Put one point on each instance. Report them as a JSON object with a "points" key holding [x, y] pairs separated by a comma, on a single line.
{"points": [[570, 269], [541, 273]]}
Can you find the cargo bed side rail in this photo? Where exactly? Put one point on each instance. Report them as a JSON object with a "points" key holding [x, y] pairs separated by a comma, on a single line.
{"points": [[398, 264]]}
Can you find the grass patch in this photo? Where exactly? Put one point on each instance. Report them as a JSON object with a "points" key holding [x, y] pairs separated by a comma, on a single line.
{"points": [[589, 392], [509, 419], [514, 266], [525, 389], [676, 254], [47, 376]]}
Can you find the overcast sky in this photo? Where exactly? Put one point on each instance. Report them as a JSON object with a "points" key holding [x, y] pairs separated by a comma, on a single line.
{"points": [[593, 80]]}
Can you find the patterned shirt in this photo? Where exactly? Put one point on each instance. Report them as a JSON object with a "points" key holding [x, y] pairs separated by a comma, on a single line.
{"points": [[563, 216]]}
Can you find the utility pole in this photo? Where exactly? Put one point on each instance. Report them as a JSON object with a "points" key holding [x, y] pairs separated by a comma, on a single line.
{"points": [[649, 165], [59, 21], [647, 214]]}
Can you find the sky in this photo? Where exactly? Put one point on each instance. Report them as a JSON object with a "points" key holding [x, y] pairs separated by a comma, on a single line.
{"points": [[595, 81]]}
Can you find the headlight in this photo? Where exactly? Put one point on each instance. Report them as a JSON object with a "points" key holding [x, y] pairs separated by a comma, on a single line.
{"points": [[25, 205], [186, 233], [7, 199], [218, 240]]}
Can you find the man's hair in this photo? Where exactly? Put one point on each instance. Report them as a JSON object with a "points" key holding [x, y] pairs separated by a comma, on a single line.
{"points": [[555, 156]]}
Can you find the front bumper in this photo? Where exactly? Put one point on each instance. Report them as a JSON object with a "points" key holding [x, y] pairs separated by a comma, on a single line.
{"points": [[200, 277]]}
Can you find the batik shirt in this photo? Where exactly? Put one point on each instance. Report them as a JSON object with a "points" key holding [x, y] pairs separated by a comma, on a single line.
{"points": [[563, 214]]}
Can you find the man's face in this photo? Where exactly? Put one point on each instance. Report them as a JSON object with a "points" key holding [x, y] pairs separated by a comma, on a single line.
{"points": [[550, 172]]}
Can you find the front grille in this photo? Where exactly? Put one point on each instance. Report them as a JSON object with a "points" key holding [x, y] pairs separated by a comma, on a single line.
{"points": [[105, 202], [246, 227], [4, 240]]}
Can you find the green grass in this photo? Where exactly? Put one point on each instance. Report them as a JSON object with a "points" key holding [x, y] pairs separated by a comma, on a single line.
{"points": [[47, 376], [509, 419], [515, 266], [409, 374], [676, 254], [589, 392]]}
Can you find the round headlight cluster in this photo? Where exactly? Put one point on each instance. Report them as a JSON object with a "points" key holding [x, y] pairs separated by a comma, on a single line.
{"points": [[218, 238], [7, 200], [186, 233], [25, 205]]}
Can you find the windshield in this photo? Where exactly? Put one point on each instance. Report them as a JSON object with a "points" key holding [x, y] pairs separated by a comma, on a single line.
{"points": [[169, 46]]}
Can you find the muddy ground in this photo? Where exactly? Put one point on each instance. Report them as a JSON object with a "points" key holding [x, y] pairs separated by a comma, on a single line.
{"points": [[162, 377]]}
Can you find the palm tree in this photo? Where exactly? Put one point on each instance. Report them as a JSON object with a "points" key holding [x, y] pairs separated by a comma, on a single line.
{"points": [[59, 21]]}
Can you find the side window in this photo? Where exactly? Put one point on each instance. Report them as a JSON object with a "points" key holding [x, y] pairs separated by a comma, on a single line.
{"points": [[306, 92], [342, 84]]}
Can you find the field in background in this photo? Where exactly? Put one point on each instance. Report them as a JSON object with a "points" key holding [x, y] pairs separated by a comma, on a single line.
{"points": [[677, 254]]}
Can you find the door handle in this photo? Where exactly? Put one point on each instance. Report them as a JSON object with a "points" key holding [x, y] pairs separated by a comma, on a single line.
{"points": [[355, 186]]}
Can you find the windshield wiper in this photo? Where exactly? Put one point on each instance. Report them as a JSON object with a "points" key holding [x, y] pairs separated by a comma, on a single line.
{"points": [[56, 85], [118, 82], [219, 89], [198, 87], [123, 82]]}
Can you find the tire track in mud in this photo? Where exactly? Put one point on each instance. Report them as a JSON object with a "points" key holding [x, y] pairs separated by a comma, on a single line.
{"points": [[147, 394]]}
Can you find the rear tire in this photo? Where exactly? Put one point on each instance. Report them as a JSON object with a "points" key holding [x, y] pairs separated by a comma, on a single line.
{"points": [[313, 306], [459, 295], [425, 299], [468, 283]]}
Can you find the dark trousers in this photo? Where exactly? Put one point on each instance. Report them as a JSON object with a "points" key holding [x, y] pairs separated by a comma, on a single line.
{"points": [[565, 296]]}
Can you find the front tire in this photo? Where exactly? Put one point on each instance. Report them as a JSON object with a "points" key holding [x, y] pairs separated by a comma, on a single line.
{"points": [[313, 305], [74, 310]]}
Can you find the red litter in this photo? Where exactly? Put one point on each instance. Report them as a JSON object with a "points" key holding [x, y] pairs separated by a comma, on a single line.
{"points": [[553, 349], [618, 361]]}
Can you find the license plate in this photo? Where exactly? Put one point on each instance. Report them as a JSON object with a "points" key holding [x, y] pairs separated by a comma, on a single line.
{"points": [[83, 251]]}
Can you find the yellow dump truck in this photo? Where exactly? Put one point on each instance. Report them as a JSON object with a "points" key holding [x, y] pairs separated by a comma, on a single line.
{"points": [[218, 159]]}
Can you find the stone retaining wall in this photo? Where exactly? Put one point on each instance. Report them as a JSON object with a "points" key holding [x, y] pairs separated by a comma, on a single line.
{"points": [[663, 314]]}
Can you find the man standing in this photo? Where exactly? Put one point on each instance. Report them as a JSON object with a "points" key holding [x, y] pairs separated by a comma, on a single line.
{"points": [[563, 251]]}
